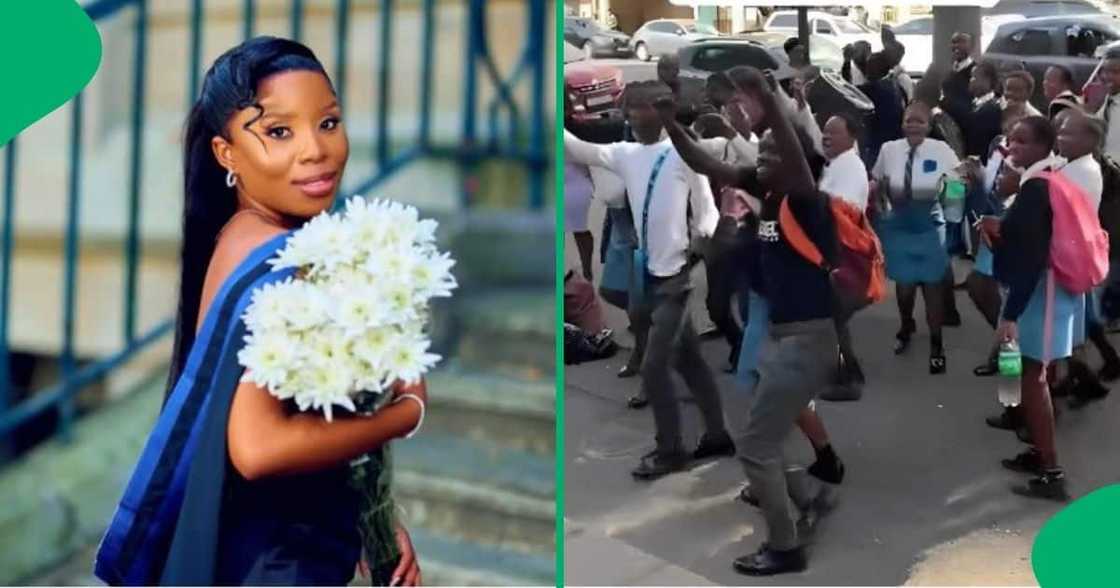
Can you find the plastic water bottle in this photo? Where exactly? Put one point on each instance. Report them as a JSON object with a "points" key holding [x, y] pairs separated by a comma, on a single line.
{"points": [[953, 191], [1010, 372]]}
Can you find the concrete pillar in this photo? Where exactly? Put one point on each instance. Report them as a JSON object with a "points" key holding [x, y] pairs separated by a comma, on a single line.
{"points": [[953, 19]]}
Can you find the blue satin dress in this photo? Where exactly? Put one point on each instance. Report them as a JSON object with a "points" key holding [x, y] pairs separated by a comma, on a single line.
{"points": [[188, 518]]}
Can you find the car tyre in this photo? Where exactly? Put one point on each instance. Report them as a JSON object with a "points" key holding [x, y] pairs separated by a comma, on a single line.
{"points": [[641, 52]]}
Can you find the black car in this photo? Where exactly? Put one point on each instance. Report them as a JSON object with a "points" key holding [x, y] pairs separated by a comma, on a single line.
{"points": [[827, 92], [1038, 43], [594, 39], [1042, 8]]}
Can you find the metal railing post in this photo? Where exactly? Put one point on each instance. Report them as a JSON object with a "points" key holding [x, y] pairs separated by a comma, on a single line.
{"points": [[70, 275], [383, 67], [342, 35], [132, 243], [297, 19], [426, 55], [196, 52], [537, 24], [6, 243], [248, 13]]}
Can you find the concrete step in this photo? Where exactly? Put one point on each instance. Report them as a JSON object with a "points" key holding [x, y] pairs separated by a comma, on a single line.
{"points": [[446, 562], [508, 412], [503, 248], [477, 492], [508, 331]]}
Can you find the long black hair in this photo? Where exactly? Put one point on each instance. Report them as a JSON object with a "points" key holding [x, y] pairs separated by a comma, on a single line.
{"points": [[229, 87]]}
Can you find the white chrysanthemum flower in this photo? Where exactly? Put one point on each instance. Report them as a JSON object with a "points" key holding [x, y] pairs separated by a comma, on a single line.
{"points": [[269, 359], [426, 232], [399, 303], [432, 276], [354, 318], [408, 358], [324, 386], [304, 307]]}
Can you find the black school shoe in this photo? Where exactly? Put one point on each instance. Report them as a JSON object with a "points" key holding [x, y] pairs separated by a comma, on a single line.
{"points": [[659, 465], [1049, 485], [1086, 392], [986, 369], [828, 467], [717, 445], [1027, 462], [769, 562], [1008, 420], [1109, 372], [937, 364], [637, 401]]}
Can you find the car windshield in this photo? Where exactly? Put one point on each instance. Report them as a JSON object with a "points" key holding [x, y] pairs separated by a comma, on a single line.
{"points": [[587, 23], [847, 27], [784, 21], [703, 29], [920, 26]]}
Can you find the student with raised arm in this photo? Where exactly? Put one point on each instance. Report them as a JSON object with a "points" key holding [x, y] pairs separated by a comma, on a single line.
{"points": [[661, 189], [802, 335]]}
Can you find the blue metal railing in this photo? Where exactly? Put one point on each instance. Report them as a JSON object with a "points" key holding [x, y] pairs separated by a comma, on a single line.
{"points": [[522, 144]]}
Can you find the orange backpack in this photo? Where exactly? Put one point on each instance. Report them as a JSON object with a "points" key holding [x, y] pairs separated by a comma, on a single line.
{"points": [[859, 277]]}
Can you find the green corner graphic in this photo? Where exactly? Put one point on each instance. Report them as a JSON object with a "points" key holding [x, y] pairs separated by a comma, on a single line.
{"points": [[51, 50], [1077, 547]]}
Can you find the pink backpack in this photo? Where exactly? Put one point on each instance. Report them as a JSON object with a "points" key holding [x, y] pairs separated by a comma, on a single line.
{"points": [[1078, 244]]}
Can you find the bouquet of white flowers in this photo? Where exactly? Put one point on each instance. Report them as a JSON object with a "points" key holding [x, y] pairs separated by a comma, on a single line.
{"points": [[354, 318]]}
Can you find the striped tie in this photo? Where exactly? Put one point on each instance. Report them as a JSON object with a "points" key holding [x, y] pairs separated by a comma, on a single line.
{"points": [[908, 179]]}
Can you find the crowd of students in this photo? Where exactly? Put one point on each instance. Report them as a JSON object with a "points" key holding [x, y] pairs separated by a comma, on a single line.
{"points": [[725, 188]]}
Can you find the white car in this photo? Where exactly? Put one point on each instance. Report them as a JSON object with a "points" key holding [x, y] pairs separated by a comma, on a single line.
{"points": [[917, 36], [666, 36], [841, 29]]}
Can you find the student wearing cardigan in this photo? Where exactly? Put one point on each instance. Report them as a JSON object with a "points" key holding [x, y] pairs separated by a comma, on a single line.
{"points": [[1021, 264]]}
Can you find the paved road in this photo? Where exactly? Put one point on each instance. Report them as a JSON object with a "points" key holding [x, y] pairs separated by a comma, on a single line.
{"points": [[923, 481]]}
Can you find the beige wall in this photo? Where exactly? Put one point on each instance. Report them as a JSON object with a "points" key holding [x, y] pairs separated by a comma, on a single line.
{"points": [[632, 14]]}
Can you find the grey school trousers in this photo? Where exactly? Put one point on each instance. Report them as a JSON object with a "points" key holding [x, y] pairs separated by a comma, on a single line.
{"points": [[671, 340], [797, 362]]}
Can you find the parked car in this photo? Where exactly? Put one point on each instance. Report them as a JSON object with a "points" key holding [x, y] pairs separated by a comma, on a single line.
{"points": [[917, 36], [841, 28], [595, 91], [1037, 43], [666, 37], [824, 51], [1041, 8], [594, 39]]}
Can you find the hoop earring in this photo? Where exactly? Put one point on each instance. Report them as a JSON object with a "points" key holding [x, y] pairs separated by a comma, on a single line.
{"points": [[231, 179]]}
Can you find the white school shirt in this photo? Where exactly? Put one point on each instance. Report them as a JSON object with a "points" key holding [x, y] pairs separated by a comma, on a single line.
{"points": [[1086, 172], [1049, 164], [1110, 111], [676, 188], [846, 178], [932, 160]]}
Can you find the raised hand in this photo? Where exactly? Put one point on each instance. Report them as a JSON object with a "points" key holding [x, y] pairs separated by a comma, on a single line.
{"points": [[734, 203], [666, 107]]}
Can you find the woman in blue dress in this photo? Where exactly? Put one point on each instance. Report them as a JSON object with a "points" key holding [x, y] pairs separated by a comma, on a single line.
{"points": [[1022, 249], [911, 226], [234, 486]]}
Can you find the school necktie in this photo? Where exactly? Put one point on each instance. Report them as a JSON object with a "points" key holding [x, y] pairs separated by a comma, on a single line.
{"points": [[908, 179]]}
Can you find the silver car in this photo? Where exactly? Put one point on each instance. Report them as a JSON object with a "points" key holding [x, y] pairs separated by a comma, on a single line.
{"points": [[665, 37]]}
